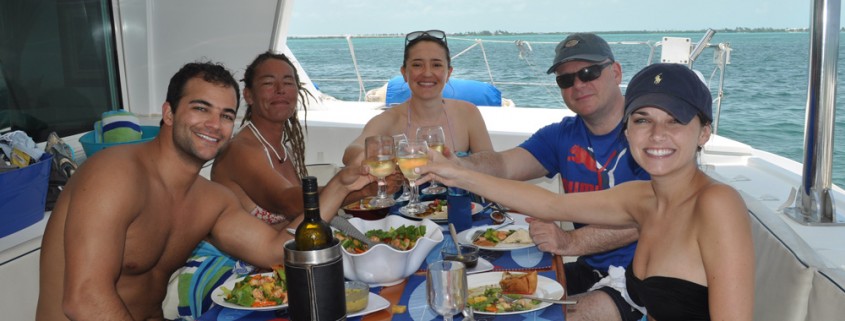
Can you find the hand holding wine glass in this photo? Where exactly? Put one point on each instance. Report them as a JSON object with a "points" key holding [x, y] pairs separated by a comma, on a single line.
{"points": [[436, 139], [379, 153]]}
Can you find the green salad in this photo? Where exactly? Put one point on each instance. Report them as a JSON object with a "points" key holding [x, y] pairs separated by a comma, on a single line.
{"points": [[402, 238], [259, 290]]}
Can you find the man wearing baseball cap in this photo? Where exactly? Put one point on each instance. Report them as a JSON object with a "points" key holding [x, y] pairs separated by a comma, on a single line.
{"points": [[590, 153]]}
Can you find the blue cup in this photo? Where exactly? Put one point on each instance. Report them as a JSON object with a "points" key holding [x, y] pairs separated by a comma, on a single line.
{"points": [[459, 208]]}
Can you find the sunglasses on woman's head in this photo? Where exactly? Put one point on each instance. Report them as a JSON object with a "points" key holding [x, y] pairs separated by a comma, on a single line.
{"points": [[436, 34], [586, 75]]}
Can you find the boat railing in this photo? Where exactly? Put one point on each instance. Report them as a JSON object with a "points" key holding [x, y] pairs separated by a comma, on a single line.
{"points": [[814, 204], [523, 51]]}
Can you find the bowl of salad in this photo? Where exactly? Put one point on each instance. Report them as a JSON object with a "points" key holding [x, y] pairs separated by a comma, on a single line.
{"points": [[401, 247]]}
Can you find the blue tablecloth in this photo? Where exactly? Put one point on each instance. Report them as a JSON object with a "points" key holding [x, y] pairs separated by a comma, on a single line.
{"points": [[413, 295]]}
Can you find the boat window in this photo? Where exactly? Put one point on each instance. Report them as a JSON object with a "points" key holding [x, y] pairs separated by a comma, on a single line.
{"points": [[57, 66]]}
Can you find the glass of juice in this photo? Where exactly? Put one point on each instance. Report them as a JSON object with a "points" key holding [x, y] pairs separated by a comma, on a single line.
{"points": [[411, 154], [436, 139]]}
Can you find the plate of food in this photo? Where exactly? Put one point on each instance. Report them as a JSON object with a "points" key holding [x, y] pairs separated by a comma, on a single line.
{"points": [[499, 293], [239, 294], [437, 211], [507, 238]]}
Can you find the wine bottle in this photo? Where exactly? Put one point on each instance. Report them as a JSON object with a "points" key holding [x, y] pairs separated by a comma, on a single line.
{"points": [[313, 233]]}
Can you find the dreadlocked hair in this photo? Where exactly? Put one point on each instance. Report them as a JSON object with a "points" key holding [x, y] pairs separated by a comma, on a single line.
{"points": [[294, 134]]}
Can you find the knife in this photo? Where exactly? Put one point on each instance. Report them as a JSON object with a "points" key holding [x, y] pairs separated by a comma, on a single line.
{"points": [[523, 296], [347, 228]]}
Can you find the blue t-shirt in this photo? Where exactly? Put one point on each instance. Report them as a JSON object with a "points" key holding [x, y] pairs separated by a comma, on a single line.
{"points": [[587, 162]]}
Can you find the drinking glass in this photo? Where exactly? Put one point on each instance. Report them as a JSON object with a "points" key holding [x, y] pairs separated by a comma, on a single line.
{"points": [[378, 153], [406, 190], [411, 154], [446, 288], [436, 140]]}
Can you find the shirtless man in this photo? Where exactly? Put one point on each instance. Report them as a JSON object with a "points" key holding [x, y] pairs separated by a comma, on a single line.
{"points": [[132, 214]]}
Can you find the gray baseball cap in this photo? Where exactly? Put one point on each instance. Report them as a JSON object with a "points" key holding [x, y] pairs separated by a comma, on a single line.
{"points": [[581, 46]]}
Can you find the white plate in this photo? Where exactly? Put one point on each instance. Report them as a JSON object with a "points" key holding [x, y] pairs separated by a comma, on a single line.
{"points": [[441, 217], [374, 303], [518, 219], [465, 237], [546, 288], [218, 297], [482, 266]]}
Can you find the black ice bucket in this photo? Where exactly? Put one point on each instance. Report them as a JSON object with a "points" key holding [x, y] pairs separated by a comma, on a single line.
{"points": [[315, 283]]}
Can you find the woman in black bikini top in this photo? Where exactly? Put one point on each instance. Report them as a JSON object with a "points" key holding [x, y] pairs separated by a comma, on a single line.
{"points": [[694, 259]]}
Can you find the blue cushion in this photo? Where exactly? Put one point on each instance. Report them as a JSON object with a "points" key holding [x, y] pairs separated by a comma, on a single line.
{"points": [[476, 92]]}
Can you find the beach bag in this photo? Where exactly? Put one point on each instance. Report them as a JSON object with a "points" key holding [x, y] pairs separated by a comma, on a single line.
{"points": [[62, 166], [22, 194]]}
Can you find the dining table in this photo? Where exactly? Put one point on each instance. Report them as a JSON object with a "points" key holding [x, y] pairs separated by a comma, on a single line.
{"points": [[407, 300]]}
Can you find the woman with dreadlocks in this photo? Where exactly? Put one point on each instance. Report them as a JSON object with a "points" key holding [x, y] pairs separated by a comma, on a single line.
{"points": [[265, 162], [263, 165]]}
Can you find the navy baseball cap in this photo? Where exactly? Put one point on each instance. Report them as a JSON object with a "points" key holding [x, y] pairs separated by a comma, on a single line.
{"points": [[581, 46], [674, 88]]}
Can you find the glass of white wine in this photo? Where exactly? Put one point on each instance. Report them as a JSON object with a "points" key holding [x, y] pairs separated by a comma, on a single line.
{"points": [[378, 153], [411, 154], [406, 190], [436, 139]]}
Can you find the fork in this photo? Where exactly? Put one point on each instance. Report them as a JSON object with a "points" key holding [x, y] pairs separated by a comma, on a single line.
{"points": [[478, 232], [510, 298]]}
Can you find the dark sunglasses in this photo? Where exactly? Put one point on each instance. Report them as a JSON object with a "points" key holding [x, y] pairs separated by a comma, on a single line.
{"points": [[436, 34], [586, 75]]}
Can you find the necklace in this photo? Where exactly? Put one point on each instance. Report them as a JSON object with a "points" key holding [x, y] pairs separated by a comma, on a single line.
{"points": [[266, 144]]}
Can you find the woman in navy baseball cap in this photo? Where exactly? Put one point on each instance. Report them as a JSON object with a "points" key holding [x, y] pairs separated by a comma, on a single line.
{"points": [[695, 259]]}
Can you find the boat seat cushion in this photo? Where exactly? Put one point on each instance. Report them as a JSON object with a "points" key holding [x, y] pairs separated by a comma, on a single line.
{"points": [[827, 300], [782, 283], [476, 92]]}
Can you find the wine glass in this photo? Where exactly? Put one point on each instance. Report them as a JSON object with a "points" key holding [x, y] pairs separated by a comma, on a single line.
{"points": [[411, 154], [446, 288], [406, 190], [378, 153], [436, 140]]}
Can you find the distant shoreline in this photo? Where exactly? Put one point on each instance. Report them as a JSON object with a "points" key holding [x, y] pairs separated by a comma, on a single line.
{"points": [[506, 33]]}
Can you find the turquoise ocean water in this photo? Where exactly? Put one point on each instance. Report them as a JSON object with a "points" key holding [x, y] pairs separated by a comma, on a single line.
{"points": [[764, 95]]}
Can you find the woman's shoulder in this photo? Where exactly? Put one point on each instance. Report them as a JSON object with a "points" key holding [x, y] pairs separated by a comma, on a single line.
{"points": [[390, 115], [238, 147], [720, 201]]}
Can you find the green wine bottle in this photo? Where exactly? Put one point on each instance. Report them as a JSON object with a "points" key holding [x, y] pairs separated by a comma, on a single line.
{"points": [[313, 233]]}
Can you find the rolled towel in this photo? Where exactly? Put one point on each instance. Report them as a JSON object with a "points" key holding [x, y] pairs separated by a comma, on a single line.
{"points": [[120, 126]]}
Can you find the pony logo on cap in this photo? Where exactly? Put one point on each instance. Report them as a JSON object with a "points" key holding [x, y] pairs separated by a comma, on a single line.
{"points": [[571, 43], [658, 78]]}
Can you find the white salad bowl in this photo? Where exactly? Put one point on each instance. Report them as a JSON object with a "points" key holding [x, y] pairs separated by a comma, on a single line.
{"points": [[383, 265]]}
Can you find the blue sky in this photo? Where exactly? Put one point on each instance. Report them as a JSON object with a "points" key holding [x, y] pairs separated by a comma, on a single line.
{"points": [[340, 17]]}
